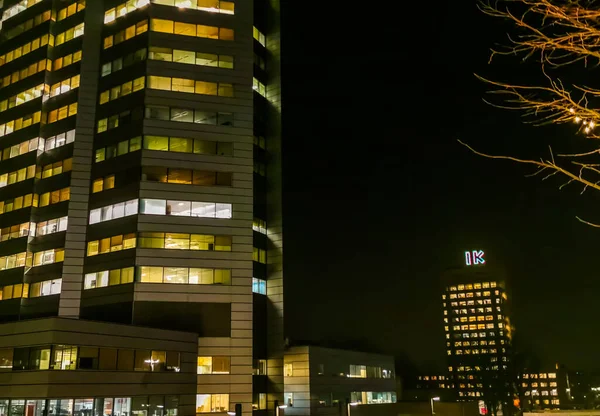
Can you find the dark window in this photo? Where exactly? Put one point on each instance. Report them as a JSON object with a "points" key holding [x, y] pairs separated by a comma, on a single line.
{"points": [[108, 359], [205, 117], [172, 361], [225, 119], [224, 178], [125, 360], [225, 149], [142, 360], [21, 359], [204, 178], [88, 358]]}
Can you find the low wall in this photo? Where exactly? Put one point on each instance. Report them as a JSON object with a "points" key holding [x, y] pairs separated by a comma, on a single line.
{"points": [[417, 409]]}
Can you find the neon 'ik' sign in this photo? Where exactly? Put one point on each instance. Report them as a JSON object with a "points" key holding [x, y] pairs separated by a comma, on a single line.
{"points": [[475, 257]]}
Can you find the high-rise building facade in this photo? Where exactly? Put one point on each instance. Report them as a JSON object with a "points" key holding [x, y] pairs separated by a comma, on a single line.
{"points": [[477, 330], [140, 207]]}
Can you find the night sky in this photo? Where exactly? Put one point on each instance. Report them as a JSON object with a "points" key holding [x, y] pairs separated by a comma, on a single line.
{"points": [[380, 197]]}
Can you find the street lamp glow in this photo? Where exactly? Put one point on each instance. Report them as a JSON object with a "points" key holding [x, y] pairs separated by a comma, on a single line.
{"points": [[435, 399]]}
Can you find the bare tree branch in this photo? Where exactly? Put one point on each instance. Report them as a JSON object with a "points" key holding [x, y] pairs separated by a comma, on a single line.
{"points": [[554, 33]]}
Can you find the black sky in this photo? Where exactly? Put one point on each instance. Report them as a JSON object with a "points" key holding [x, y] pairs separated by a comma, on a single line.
{"points": [[380, 197]]}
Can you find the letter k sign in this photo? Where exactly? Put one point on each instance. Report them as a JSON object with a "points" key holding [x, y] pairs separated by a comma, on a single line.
{"points": [[478, 257]]}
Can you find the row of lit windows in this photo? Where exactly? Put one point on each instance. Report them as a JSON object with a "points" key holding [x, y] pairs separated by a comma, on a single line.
{"points": [[154, 274], [38, 144], [123, 9], [39, 258], [484, 285], [24, 97], [48, 198], [190, 29], [259, 225], [185, 208], [469, 303], [28, 24], [186, 145], [553, 392], [103, 184], [54, 197], [180, 241], [45, 288], [111, 244], [186, 176], [259, 87], [160, 207], [70, 34], [18, 8], [259, 36], [72, 357], [17, 291], [59, 140], [190, 86], [190, 57], [62, 113], [66, 60], [17, 231], [467, 335], [32, 69], [540, 375], [189, 115], [463, 311], [123, 62], [214, 6], [473, 318], [470, 295], [23, 148], [64, 86], [109, 278], [57, 168], [169, 241], [126, 34], [475, 351], [259, 255], [536, 385], [555, 402], [122, 90], [19, 202], [473, 327], [474, 343], [20, 123], [474, 302], [26, 48], [17, 176], [36, 290], [70, 10]]}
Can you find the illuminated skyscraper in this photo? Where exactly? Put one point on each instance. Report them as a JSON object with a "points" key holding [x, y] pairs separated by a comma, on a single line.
{"points": [[140, 207], [477, 329]]}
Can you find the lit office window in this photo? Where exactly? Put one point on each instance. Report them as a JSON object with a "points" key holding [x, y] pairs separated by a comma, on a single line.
{"points": [[259, 286]]}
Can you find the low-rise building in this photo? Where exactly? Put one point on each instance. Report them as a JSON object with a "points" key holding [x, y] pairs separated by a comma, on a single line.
{"points": [[317, 379]]}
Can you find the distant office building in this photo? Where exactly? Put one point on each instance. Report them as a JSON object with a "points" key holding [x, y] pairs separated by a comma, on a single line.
{"points": [[317, 378], [542, 390], [424, 387], [476, 325]]}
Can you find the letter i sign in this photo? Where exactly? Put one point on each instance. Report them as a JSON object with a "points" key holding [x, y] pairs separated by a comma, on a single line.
{"points": [[475, 257]]}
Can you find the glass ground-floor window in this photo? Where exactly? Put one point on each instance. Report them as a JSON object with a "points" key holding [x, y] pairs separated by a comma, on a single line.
{"points": [[110, 406]]}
